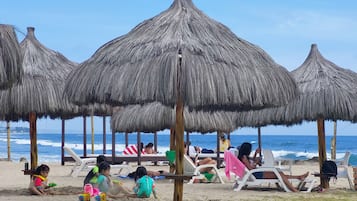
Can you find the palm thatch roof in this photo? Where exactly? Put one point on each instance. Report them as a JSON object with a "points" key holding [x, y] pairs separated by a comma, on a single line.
{"points": [[327, 91], [10, 57], [42, 85], [154, 117], [219, 69]]}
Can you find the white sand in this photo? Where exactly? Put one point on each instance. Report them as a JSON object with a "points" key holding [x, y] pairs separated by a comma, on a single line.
{"points": [[13, 186]]}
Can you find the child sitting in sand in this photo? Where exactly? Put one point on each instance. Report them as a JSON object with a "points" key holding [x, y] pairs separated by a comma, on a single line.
{"points": [[38, 184], [93, 174], [144, 184], [111, 187]]}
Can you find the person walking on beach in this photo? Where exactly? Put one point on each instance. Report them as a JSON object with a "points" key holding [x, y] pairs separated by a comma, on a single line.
{"points": [[244, 152]]}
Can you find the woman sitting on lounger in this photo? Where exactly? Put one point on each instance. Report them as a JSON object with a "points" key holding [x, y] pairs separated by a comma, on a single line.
{"points": [[198, 162], [244, 152]]}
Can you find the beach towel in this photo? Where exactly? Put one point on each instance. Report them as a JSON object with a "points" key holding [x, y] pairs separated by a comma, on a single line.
{"points": [[233, 164], [131, 150]]}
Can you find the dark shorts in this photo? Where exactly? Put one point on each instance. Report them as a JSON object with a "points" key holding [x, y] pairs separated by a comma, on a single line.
{"points": [[258, 175]]}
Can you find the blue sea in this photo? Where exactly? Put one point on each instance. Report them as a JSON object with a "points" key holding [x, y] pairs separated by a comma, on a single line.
{"points": [[286, 146]]}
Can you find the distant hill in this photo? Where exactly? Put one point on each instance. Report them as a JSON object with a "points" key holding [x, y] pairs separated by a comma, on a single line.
{"points": [[15, 129]]}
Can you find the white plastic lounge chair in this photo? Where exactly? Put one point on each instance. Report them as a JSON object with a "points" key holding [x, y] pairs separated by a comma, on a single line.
{"points": [[342, 169], [248, 179], [81, 164], [86, 164], [269, 161], [191, 168]]}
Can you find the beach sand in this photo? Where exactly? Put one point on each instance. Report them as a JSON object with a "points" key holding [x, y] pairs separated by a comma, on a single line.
{"points": [[13, 186]]}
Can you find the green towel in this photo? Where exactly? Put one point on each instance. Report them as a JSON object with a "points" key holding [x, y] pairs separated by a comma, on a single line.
{"points": [[208, 176]]}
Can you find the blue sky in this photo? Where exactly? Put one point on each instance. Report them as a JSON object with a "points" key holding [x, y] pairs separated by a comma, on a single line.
{"points": [[284, 29]]}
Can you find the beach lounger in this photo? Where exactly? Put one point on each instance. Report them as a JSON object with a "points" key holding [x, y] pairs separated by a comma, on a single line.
{"points": [[245, 177], [342, 169], [191, 168], [86, 164]]}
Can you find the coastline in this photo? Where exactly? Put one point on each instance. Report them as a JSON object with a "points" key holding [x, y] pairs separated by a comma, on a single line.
{"points": [[14, 186]]}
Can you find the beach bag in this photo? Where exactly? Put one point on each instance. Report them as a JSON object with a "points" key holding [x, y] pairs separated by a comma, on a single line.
{"points": [[329, 169]]}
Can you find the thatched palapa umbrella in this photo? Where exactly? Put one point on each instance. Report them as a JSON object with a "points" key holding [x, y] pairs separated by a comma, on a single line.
{"points": [[328, 92], [41, 91], [10, 57], [181, 57], [10, 64], [153, 117]]}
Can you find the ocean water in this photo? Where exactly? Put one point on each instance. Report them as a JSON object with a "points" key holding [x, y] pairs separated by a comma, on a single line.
{"points": [[286, 146]]}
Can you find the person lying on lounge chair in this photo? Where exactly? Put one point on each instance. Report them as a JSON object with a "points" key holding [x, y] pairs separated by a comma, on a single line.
{"points": [[244, 152]]}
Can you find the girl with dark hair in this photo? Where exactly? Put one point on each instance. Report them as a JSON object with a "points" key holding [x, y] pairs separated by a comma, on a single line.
{"points": [[144, 184], [38, 185], [106, 185], [93, 174], [244, 152]]}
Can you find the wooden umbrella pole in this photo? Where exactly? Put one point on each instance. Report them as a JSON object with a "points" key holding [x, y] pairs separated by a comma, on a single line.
{"points": [[260, 141], [62, 142], [84, 136], [8, 141], [322, 149], [104, 136], [179, 134], [179, 142], [187, 142], [218, 149], [92, 131], [33, 139], [126, 139], [138, 141], [333, 156], [172, 146], [113, 146], [155, 141]]}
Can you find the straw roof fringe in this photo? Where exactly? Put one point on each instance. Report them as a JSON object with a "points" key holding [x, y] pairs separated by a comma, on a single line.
{"points": [[42, 85], [10, 57], [155, 117], [219, 70], [327, 91]]}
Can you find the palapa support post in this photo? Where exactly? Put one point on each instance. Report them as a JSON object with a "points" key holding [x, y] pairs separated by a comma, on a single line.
{"points": [[33, 139], [155, 145], [138, 139], [84, 136], [104, 136], [172, 147], [355, 177], [333, 144], [113, 146], [187, 141], [92, 131], [155, 141], [126, 139], [322, 149], [179, 135], [62, 142], [260, 141], [8, 141], [219, 149]]}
